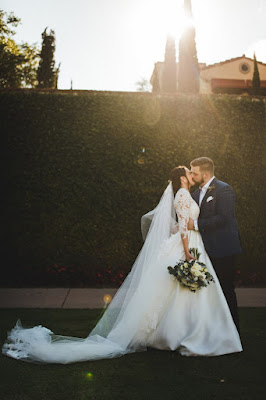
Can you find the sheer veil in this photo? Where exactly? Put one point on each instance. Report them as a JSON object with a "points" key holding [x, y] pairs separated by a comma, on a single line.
{"points": [[160, 221], [112, 336]]}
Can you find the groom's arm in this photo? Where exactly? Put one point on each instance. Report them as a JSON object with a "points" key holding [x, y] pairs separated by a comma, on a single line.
{"points": [[225, 208]]}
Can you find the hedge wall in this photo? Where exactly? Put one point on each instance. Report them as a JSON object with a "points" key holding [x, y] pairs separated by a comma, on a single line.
{"points": [[80, 168]]}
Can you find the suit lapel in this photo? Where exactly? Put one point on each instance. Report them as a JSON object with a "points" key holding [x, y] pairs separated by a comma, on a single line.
{"points": [[208, 193], [196, 196], [204, 198]]}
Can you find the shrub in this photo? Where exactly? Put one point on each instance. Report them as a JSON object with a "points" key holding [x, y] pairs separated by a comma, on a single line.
{"points": [[81, 168]]}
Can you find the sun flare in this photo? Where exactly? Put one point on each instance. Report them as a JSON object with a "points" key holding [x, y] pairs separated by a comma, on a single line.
{"points": [[152, 21], [173, 20]]}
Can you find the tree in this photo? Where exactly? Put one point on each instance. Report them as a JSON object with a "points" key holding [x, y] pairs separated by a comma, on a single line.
{"points": [[188, 77], [18, 62], [47, 74], [57, 75], [256, 78], [155, 82], [169, 67], [30, 65], [142, 85]]}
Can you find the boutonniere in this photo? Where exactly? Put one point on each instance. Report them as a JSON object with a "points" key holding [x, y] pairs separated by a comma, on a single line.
{"points": [[209, 199], [211, 187]]}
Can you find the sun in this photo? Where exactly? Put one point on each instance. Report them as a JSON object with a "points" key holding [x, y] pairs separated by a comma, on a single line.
{"points": [[177, 22], [171, 18], [159, 17], [150, 22]]}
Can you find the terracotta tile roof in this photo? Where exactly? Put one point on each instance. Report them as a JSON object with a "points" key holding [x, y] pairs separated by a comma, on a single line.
{"points": [[203, 66], [230, 60]]}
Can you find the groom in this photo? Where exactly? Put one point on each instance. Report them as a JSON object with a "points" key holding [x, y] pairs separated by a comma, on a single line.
{"points": [[217, 225]]}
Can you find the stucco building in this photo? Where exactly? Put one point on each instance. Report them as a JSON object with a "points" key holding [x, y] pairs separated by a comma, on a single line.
{"points": [[231, 76]]}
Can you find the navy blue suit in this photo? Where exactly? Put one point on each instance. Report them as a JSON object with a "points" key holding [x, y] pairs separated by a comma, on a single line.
{"points": [[218, 227], [217, 222]]}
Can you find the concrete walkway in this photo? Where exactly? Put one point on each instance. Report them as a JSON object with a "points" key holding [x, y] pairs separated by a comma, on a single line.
{"points": [[93, 298]]}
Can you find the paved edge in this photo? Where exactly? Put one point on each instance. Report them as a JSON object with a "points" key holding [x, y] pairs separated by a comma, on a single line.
{"points": [[94, 298]]}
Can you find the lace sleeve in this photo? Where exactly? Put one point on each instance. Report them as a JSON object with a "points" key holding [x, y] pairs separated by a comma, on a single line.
{"points": [[182, 206]]}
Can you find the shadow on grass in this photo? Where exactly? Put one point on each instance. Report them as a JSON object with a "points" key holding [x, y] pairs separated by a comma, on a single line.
{"points": [[153, 374]]}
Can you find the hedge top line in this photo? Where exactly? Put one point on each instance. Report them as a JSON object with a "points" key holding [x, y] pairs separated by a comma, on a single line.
{"points": [[75, 92]]}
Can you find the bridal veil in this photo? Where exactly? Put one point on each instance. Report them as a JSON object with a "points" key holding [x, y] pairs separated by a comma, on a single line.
{"points": [[113, 334]]}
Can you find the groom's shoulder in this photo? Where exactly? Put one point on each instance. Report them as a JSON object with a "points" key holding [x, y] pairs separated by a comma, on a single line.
{"points": [[221, 185]]}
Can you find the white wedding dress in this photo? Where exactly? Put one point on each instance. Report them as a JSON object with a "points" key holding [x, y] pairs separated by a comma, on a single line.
{"points": [[150, 309]]}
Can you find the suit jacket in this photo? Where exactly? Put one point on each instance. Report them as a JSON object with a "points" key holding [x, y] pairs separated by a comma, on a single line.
{"points": [[217, 222]]}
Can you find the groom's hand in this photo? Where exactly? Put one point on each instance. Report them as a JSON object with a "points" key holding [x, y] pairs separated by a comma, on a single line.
{"points": [[190, 224]]}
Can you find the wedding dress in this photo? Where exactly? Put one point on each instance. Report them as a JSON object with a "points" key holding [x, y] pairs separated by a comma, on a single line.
{"points": [[150, 309]]}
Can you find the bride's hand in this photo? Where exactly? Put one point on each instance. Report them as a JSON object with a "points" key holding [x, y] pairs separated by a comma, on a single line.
{"points": [[189, 257]]}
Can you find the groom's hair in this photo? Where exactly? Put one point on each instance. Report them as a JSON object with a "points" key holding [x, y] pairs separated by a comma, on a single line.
{"points": [[205, 164]]}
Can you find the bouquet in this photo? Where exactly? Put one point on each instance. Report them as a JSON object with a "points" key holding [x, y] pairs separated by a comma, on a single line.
{"points": [[192, 274]]}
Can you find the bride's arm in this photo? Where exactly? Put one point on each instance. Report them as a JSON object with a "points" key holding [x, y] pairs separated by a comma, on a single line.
{"points": [[189, 257], [182, 205]]}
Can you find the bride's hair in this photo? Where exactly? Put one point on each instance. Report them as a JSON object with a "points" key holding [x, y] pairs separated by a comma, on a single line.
{"points": [[175, 176]]}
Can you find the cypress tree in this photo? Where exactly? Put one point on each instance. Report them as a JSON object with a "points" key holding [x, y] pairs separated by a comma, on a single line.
{"points": [[256, 78], [47, 75], [188, 76], [169, 67], [155, 83], [57, 70]]}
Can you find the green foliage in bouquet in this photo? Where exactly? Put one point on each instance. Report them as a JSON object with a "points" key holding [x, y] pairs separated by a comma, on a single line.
{"points": [[192, 274]]}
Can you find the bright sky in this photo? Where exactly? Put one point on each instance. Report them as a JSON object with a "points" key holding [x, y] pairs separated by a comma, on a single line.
{"points": [[111, 44]]}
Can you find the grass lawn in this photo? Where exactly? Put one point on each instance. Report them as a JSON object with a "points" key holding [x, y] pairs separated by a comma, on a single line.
{"points": [[147, 375]]}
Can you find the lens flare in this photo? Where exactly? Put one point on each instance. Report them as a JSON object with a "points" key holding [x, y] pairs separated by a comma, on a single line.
{"points": [[152, 112], [107, 298], [141, 160], [89, 376]]}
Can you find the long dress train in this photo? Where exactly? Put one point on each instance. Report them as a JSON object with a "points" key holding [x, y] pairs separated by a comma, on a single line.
{"points": [[150, 309]]}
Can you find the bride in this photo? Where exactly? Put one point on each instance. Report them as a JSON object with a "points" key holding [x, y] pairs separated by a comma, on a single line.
{"points": [[150, 309]]}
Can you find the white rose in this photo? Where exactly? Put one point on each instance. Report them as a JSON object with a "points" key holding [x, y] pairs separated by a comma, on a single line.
{"points": [[195, 270], [202, 277]]}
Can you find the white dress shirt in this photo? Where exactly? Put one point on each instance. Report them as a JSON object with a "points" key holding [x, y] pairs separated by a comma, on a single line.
{"points": [[203, 191]]}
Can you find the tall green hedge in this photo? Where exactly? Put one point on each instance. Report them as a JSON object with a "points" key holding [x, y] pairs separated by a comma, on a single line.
{"points": [[80, 168]]}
